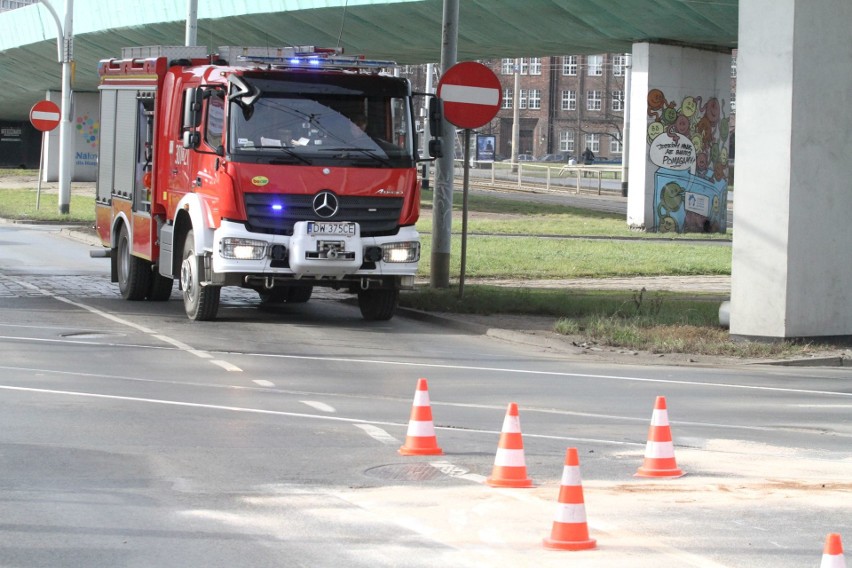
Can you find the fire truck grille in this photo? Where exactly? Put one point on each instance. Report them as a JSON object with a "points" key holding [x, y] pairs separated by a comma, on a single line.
{"points": [[278, 213]]}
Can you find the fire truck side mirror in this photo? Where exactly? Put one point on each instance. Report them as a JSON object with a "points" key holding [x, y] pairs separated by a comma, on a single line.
{"points": [[191, 139], [192, 107], [436, 116], [436, 148]]}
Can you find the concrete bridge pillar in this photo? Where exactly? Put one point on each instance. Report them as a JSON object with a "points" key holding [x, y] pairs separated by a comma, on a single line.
{"points": [[679, 135], [792, 266]]}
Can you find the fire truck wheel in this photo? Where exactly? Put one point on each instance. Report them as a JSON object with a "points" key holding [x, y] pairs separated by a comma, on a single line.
{"points": [[134, 273], [378, 305], [200, 302], [161, 287]]}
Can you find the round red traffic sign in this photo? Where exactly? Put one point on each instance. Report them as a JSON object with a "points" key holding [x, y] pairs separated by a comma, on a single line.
{"points": [[471, 93], [45, 115]]}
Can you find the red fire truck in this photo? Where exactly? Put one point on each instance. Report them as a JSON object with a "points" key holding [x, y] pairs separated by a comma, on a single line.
{"points": [[273, 169]]}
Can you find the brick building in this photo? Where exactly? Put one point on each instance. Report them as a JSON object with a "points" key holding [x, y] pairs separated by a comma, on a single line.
{"points": [[567, 103]]}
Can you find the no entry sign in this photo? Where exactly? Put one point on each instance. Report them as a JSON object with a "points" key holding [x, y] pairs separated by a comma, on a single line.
{"points": [[471, 93], [45, 115]]}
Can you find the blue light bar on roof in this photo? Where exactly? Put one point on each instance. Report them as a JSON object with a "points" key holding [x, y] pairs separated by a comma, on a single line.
{"points": [[319, 61]]}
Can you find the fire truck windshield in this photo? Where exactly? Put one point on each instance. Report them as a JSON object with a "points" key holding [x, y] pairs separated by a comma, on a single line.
{"points": [[323, 129]]}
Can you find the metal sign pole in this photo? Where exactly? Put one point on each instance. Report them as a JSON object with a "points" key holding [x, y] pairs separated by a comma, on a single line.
{"points": [[465, 184], [40, 165]]}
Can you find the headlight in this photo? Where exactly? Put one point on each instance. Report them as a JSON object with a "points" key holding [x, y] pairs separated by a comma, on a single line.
{"points": [[401, 252], [242, 249]]}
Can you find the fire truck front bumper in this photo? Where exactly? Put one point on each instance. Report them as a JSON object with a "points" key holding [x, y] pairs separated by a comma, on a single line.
{"points": [[331, 251]]}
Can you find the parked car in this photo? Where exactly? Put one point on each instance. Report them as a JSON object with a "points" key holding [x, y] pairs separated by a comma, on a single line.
{"points": [[555, 158], [526, 158]]}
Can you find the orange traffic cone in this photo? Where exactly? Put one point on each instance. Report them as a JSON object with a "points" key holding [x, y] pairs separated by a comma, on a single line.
{"points": [[570, 530], [832, 554], [659, 451], [420, 439], [510, 469]]}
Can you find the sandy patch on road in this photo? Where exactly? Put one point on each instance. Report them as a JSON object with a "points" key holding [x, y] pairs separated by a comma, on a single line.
{"points": [[739, 490]]}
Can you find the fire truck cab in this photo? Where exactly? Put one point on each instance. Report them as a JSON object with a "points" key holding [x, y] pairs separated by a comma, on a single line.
{"points": [[273, 169]]}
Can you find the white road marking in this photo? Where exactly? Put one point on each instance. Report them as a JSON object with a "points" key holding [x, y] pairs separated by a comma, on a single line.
{"points": [[103, 314], [164, 338], [378, 434], [302, 415], [321, 406], [423, 365], [227, 366], [457, 472], [263, 383]]}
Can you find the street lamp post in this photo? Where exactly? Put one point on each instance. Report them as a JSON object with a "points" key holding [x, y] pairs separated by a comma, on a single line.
{"points": [[65, 43]]}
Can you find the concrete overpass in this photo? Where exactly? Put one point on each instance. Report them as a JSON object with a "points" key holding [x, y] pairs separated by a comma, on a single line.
{"points": [[791, 269], [408, 31]]}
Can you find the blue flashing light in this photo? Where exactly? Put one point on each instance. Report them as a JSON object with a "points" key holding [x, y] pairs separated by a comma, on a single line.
{"points": [[277, 207], [294, 61]]}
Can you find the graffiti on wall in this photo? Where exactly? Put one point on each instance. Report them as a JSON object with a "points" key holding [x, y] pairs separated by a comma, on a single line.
{"points": [[688, 142]]}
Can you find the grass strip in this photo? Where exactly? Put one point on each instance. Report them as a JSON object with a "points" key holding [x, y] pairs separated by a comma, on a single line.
{"points": [[20, 205]]}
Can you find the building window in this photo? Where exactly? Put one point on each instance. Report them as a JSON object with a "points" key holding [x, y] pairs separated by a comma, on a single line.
{"points": [[569, 100], [595, 63], [569, 65], [619, 64], [525, 66], [523, 100], [535, 65], [566, 141], [507, 66], [615, 146], [733, 67], [535, 98], [618, 101], [593, 100], [733, 102], [507, 98], [593, 142]]}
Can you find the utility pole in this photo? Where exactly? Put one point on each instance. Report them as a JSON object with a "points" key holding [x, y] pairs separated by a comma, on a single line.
{"points": [[442, 204], [427, 134], [625, 136], [191, 23], [65, 39], [516, 115]]}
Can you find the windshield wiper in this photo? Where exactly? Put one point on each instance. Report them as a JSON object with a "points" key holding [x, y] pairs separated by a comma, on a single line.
{"points": [[344, 153], [286, 150]]}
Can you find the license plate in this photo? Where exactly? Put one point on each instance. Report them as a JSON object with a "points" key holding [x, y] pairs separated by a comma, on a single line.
{"points": [[342, 229]]}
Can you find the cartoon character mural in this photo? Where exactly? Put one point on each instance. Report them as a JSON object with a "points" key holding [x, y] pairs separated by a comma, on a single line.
{"points": [[689, 145]]}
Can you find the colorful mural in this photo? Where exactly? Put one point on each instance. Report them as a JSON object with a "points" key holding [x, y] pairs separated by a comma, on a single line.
{"points": [[689, 146], [87, 132]]}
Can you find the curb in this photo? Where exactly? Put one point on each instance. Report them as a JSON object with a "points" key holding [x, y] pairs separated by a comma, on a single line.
{"points": [[812, 362], [80, 235]]}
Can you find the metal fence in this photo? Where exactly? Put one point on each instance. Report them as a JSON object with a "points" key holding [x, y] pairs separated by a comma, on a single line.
{"points": [[600, 179]]}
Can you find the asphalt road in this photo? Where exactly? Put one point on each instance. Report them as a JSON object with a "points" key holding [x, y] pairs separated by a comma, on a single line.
{"points": [[130, 436]]}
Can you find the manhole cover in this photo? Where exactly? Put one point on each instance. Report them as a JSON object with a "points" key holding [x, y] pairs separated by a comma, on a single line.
{"points": [[406, 472]]}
